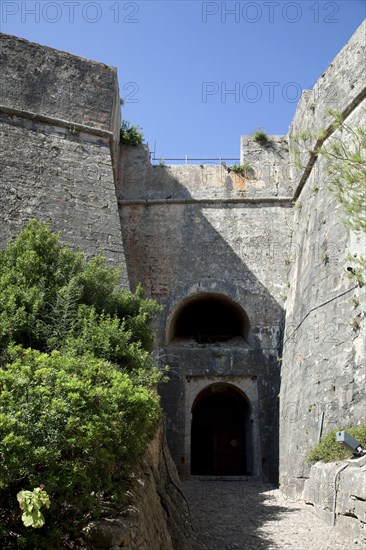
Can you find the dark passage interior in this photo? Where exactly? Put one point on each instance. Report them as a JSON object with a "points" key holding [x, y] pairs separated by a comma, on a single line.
{"points": [[221, 432], [209, 319]]}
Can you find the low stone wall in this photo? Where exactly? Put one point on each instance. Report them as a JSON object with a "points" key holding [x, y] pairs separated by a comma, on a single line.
{"points": [[338, 495], [157, 517]]}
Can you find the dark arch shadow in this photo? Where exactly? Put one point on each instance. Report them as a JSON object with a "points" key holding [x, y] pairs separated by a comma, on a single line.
{"points": [[208, 318], [221, 435]]}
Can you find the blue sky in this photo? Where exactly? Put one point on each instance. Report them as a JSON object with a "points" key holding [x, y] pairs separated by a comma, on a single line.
{"points": [[197, 75]]}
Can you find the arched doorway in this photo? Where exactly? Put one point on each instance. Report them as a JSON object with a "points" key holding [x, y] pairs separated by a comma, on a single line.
{"points": [[221, 438], [208, 318]]}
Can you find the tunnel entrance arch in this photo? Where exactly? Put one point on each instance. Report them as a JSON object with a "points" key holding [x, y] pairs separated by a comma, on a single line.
{"points": [[221, 434], [208, 318]]}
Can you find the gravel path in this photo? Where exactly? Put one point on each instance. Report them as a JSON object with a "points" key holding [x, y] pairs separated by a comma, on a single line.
{"points": [[250, 515]]}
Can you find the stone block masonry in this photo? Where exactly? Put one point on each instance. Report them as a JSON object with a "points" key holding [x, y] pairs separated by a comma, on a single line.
{"points": [[192, 231], [157, 515], [324, 356], [58, 85], [59, 131], [338, 494]]}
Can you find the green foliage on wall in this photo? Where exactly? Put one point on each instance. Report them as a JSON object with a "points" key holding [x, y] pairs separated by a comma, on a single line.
{"points": [[345, 156], [245, 170], [131, 135], [329, 450], [260, 136], [346, 166], [77, 398]]}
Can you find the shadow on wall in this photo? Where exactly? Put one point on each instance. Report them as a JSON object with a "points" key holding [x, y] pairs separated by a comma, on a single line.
{"points": [[184, 250], [207, 319]]}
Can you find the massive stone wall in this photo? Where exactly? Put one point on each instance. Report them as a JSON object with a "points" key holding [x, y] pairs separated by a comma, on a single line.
{"points": [[195, 230], [59, 130], [324, 358]]}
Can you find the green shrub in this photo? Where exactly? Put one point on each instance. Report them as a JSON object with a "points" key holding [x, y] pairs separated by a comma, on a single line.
{"points": [[260, 136], [110, 338], [77, 404], [33, 270], [328, 450], [131, 135], [76, 425], [43, 284], [241, 169]]}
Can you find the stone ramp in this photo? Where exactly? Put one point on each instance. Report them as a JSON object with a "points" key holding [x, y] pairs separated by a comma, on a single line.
{"points": [[248, 515]]}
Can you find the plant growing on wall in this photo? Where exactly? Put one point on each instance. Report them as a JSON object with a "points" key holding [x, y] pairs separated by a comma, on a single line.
{"points": [[260, 136], [329, 450], [131, 135], [346, 166], [242, 169], [345, 156]]}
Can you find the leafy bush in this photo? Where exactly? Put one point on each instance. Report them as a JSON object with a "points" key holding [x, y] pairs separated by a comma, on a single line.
{"points": [[33, 270], [77, 405], [328, 450], [77, 425], [131, 135], [109, 338], [31, 503], [43, 284]]}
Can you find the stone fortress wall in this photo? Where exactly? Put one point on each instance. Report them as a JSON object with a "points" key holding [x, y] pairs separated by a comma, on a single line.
{"points": [[191, 233], [323, 365], [59, 134], [324, 356]]}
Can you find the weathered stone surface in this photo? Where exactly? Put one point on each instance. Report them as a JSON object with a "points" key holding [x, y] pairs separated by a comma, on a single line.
{"points": [[323, 369], [157, 517], [63, 179], [324, 357], [269, 164], [57, 84], [267, 178], [54, 172], [184, 237], [338, 495]]}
